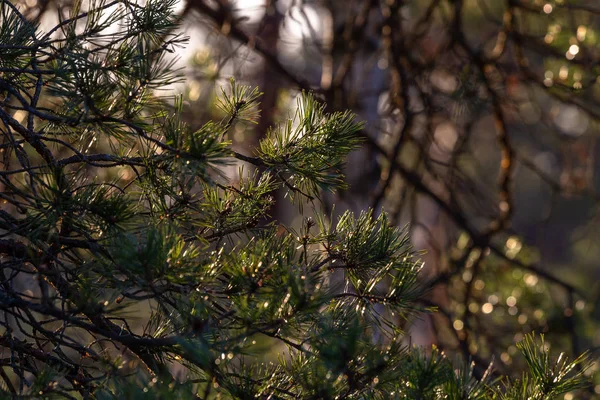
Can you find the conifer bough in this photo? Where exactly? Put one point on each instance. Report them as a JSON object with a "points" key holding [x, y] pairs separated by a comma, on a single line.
{"points": [[132, 268]]}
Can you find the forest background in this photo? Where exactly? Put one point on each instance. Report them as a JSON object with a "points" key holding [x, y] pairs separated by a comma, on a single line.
{"points": [[480, 134]]}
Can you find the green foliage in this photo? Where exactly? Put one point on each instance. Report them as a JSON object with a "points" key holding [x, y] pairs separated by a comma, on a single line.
{"points": [[149, 273], [308, 150], [241, 103], [548, 379]]}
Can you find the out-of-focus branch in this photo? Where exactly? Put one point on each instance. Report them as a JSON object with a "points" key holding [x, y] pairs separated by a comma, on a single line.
{"points": [[223, 18]]}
